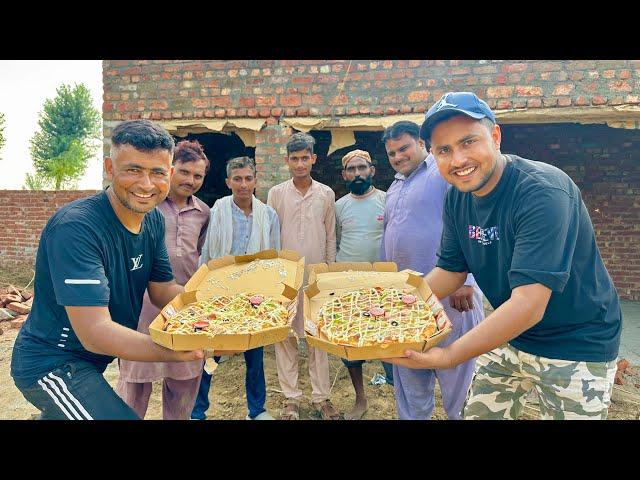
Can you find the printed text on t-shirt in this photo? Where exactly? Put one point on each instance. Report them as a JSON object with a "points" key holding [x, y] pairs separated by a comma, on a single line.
{"points": [[485, 236]]}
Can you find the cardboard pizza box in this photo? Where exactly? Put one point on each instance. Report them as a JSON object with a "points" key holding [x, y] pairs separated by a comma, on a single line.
{"points": [[274, 273], [264, 272], [329, 280], [239, 343]]}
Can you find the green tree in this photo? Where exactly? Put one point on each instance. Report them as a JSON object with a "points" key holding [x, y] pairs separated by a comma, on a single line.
{"points": [[2, 139], [35, 182], [66, 169], [68, 136]]}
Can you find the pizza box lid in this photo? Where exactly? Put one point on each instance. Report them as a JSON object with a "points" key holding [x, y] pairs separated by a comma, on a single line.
{"points": [[264, 272], [240, 342], [327, 281]]}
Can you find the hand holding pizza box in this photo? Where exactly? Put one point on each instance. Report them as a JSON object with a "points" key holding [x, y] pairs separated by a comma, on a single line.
{"points": [[233, 304], [362, 311]]}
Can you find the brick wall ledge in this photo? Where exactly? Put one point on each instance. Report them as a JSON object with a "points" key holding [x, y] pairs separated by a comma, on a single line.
{"points": [[615, 116]]}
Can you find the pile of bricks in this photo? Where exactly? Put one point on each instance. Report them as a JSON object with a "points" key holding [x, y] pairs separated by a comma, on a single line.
{"points": [[623, 368], [15, 305]]}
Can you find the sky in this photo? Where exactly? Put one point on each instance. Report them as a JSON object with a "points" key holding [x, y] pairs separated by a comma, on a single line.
{"points": [[24, 87]]}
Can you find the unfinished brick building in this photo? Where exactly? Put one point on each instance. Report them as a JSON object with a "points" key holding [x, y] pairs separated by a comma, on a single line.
{"points": [[582, 116]]}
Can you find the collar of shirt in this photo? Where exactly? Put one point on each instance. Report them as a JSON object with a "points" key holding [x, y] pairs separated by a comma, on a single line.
{"points": [[426, 163], [238, 209], [312, 188], [366, 195], [191, 204]]}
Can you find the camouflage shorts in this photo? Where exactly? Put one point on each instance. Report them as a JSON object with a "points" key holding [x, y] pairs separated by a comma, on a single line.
{"points": [[566, 389]]}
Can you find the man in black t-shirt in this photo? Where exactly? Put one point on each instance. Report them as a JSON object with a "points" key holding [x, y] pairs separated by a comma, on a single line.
{"points": [[95, 259], [524, 232]]}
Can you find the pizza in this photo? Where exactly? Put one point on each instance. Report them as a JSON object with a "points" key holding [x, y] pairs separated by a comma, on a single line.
{"points": [[229, 314], [378, 317]]}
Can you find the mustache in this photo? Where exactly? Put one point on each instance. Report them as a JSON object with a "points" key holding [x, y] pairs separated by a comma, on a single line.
{"points": [[361, 179]]}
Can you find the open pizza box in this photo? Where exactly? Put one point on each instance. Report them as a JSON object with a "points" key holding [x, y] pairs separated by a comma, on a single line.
{"points": [[329, 280], [275, 273]]}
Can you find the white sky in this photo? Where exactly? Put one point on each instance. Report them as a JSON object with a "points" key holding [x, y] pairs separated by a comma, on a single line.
{"points": [[24, 87]]}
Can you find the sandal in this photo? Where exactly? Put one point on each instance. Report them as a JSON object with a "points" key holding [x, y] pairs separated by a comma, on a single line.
{"points": [[326, 410], [291, 410]]}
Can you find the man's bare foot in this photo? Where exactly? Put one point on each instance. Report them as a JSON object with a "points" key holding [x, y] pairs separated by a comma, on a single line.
{"points": [[359, 409]]}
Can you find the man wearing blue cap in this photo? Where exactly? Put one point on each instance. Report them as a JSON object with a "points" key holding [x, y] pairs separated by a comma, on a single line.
{"points": [[524, 232]]}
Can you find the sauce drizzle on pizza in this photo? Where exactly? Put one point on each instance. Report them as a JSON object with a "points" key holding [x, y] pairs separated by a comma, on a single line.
{"points": [[378, 317], [229, 314]]}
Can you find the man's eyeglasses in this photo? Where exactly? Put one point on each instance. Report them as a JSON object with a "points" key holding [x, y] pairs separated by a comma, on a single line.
{"points": [[359, 168]]}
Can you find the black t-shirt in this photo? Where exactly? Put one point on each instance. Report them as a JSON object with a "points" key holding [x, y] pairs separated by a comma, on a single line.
{"points": [[533, 227], [86, 257]]}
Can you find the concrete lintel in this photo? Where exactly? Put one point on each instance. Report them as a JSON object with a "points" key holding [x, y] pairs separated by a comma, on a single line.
{"points": [[616, 116]]}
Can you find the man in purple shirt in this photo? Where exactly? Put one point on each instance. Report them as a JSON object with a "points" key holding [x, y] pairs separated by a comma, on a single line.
{"points": [[186, 220], [412, 231]]}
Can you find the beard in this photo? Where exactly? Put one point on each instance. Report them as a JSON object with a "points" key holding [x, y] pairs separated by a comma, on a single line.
{"points": [[358, 186]]}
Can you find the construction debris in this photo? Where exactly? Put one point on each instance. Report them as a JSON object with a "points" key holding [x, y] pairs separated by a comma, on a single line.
{"points": [[18, 321], [623, 364], [14, 307], [19, 307]]}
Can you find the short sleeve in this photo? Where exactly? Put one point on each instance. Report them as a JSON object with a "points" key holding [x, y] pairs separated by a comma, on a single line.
{"points": [[161, 270], [450, 255], [546, 232], [76, 266]]}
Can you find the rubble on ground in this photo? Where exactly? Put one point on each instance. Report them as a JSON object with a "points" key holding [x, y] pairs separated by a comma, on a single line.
{"points": [[15, 306]]}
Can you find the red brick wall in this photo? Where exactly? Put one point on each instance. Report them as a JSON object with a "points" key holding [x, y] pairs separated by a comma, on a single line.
{"points": [[270, 152], [24, 214], [165, 89], [605, 163]]}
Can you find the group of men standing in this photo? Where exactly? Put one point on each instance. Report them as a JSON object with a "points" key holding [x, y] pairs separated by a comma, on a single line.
{"points": [[422, 223]]}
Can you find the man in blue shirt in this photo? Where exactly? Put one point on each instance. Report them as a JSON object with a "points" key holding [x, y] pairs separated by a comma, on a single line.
{"points": [[524, 232], [240, 224], [95, 259]]}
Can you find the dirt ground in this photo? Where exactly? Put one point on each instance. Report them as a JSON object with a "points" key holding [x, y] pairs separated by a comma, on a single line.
{"points": [[227, 395]]}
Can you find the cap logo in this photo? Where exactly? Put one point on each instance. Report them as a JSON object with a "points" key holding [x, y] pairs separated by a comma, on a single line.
{"points": [[443, 104]]}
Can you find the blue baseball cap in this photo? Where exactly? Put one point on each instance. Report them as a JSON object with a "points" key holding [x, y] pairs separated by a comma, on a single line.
{"points": [[454, 103]]}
